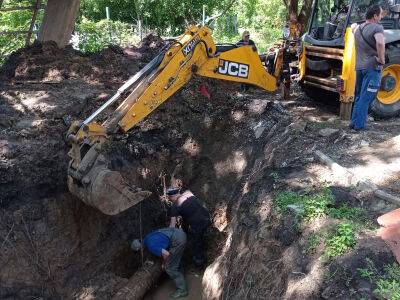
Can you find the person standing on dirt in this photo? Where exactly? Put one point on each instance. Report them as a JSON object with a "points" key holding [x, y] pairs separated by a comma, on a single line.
{"points": [[194, 215], [169, 244], [370, 57], [246, 41]]}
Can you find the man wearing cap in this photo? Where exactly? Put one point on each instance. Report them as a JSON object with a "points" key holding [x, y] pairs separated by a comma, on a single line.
{"points": [[169, 244], [195, 215]]}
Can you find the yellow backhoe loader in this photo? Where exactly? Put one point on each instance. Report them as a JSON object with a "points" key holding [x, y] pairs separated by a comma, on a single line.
{"points": [[193, 53], [327, 64]]}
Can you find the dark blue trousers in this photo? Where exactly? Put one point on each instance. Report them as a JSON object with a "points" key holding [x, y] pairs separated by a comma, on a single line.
{"points": [[367, 85]]}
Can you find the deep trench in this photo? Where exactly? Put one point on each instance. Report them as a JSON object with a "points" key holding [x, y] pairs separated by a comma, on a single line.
{"points": [[210, 145]]}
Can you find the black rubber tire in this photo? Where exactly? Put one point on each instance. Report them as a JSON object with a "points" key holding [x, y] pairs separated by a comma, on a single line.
{"points": [[384, 111]]}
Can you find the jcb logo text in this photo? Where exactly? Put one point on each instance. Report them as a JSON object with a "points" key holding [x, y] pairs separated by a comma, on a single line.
{"points": [[232, 68]]}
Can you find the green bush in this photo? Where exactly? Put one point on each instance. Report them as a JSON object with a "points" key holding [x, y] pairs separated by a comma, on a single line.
{"points": [[14, 21], [341, 241], [94, 36], [312, 205], [387, 282]]}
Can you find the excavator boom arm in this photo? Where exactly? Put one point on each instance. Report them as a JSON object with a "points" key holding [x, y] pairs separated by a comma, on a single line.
{"points": [[193, 53]]}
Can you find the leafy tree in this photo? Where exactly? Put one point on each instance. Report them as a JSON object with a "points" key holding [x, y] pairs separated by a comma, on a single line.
{"points": [[15, 21]]}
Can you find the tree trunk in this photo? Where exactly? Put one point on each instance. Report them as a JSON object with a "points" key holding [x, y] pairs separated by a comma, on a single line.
{"points": [[305, 14], [293, 9], [302, 17], [59, 21]]}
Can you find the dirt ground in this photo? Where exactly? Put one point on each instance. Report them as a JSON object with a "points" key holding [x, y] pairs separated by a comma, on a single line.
{"points": [[235, 151]]}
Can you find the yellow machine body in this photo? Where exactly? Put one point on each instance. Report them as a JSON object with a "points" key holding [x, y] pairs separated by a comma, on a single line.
{"points": [[342, 83]]}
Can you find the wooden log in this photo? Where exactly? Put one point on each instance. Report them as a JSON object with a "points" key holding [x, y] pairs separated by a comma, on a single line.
{"points": [[141, 282], [336, 168], [386, 196], [352, 179], [59, 21]]}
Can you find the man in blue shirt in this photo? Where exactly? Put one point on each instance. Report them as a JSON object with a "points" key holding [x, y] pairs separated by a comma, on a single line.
{"points": [[169, 244]]}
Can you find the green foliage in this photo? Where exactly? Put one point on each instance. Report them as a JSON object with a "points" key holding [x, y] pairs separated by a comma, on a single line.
{"points": [[348, 213], [387, 282], [284, 199], [313, 205], [342, 240], [167, 16], [264, 19], [94, 36], [15, 21], [388, 285], [366, 273], [274, 176]]}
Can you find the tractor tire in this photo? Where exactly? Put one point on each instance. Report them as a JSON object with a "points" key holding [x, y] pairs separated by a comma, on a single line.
{"points": [[384, 111], [387, 104]]}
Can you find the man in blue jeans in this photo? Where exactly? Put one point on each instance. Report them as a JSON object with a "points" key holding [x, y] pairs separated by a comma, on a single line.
{"points": [[370, 57], [169, 244]]}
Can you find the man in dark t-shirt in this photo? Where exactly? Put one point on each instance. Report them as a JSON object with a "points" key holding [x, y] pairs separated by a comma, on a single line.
{"points": [[370, 57], [195, 215], [246, 41]]}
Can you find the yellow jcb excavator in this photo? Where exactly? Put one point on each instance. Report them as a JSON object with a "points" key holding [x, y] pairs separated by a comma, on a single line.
{"points": [[193, 53]]}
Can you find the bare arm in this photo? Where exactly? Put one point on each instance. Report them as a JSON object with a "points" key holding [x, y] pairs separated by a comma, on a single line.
{"points": [[380, 47]]}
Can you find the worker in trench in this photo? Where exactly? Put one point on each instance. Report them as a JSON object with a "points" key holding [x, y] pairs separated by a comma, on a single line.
{"points": [[195, 216], [168, 244]]}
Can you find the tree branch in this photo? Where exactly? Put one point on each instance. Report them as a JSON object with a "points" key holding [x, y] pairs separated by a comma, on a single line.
{"points": [[228, 7]]}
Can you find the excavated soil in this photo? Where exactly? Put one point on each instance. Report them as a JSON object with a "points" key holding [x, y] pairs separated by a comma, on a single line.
{"points": [[229, 150]]}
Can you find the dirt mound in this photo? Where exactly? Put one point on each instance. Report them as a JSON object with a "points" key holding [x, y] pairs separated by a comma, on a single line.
{"points": [[46, 62]]}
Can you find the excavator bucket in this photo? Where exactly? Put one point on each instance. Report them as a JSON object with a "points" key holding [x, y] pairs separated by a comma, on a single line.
{"points": [[108, 192], [100, 187]]}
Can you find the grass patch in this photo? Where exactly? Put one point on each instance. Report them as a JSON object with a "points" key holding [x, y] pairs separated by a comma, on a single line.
{"points": [[336, 240], [387, 282], [340, 241], [311, 205], [348, 213]]}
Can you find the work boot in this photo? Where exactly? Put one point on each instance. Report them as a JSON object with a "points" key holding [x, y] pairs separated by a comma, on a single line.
{"points": [[179, 294]]}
